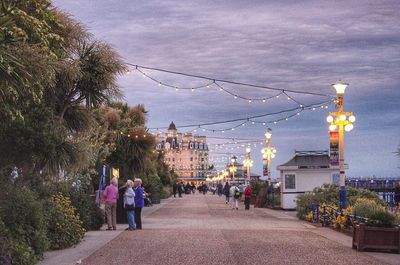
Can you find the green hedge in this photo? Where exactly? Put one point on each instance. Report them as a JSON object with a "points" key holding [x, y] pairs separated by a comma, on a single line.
{"points": [[24, 225]]}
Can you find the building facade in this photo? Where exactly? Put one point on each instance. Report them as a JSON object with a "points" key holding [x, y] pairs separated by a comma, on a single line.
{"points": [[185, 153]]}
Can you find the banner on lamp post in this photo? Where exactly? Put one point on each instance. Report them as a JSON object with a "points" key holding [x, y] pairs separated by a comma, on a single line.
{"points": [[265, 167], [334, 148]]}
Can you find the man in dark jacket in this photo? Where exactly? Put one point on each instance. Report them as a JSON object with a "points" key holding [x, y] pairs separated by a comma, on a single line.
{"points": [[174, 189], [139, 202]]}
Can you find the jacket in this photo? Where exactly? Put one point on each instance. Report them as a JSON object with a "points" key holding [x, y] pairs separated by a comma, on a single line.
{"points": [[139, 199], [248, 192], [129, 197]]}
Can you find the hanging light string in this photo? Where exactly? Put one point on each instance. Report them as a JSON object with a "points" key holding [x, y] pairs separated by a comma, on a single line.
{"points": [[214, 80], [252, 119], [234, 95]]}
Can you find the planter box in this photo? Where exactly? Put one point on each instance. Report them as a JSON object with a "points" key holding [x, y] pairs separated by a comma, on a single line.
{"points": [[376, 238]]}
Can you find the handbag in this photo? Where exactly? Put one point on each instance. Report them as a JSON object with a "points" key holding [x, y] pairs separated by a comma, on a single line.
{"points": [[129, 207]]}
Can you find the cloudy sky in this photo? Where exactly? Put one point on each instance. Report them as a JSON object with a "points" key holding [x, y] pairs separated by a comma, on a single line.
{"points": [[299, 45]]}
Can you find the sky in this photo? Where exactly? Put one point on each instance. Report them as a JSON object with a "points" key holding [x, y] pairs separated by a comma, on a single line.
{"points": [[298, 45]]}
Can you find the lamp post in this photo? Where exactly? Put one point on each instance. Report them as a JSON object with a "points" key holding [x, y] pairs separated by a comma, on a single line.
{"points": [[341, 121], [268, 153], [233, 168], [248, 163]]}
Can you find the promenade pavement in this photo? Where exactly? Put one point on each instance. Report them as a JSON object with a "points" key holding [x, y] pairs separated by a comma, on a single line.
{"points": [[204, 230]]}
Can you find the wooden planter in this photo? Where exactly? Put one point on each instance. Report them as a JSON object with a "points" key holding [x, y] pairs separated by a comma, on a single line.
{"points": [[377, 238]]}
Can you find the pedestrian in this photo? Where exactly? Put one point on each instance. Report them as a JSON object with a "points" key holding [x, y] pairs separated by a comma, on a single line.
{"points": [[193, 188], [204, 188], [139, 202], [227, 188], [111, 196], [235, 193], [129, 204], [180, 189], [220, 189], [175, 188], [248, 192]]}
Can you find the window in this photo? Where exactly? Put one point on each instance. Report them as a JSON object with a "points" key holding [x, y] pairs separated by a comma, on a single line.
{"points": [[290, 181], [191, 159]]}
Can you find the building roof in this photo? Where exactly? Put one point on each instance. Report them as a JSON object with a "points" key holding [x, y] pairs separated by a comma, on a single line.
{"points": [[172, 126], [309, 159]]}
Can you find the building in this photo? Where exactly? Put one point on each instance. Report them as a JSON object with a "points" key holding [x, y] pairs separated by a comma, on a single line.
{"points": [[304, 172], [185, 153]]}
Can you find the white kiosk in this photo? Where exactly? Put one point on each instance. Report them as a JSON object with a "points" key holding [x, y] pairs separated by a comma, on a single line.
{"points": [[305, 171]]}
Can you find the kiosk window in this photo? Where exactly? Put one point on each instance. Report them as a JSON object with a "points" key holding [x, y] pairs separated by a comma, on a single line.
{"points": [[290, 181]]}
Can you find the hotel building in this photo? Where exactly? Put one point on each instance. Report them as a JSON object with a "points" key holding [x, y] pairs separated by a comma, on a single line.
{"points": [[185, 153]]}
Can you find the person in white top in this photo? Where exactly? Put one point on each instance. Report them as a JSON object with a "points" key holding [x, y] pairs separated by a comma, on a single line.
{"points": [[129, 204], [235, 193]]}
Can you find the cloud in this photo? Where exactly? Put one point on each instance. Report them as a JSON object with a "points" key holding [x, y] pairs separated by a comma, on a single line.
{"points": [[302, 45]]}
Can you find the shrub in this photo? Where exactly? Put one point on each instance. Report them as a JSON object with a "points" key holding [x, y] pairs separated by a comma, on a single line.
{"points": [[91, 216], [377, 214], [5, 250], [23, 217], [328, 194], [64, 226]]}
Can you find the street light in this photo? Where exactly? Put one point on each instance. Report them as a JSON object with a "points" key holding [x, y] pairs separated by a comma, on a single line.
{"points": [[248, 163], [233, 167], [341, 121], [268, 153]]}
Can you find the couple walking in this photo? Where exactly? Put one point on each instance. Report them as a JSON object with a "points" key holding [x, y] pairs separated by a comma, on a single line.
{"points": [[234, 191], [133, 203]]}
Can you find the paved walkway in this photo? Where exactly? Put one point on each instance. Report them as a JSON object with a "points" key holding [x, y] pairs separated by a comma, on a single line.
{"points": [[204, 230]]}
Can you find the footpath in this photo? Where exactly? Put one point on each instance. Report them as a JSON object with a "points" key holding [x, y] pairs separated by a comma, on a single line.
{"points": [[202, 229], [92, 241]]}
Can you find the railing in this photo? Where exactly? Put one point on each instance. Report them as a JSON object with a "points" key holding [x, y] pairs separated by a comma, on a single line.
{"points": [[328, 216]]}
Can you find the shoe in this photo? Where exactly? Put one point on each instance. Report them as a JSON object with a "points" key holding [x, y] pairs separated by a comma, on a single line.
{"points": [[114, 228], [226, 202], [237, 208], [109, 229]]}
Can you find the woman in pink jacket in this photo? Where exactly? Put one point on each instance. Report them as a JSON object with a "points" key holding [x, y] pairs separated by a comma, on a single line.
{"points": [[111, 196]]}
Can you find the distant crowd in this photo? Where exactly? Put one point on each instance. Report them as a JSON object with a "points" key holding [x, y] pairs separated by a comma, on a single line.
{"points": [[232, 192]]}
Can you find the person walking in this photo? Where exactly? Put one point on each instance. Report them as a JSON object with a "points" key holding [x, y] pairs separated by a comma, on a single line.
{"points": [[111, 196], [235, 193], [139, 202], [193, 187], [174, 188], [180, 189], [248, 192], [227, 192], [129, 204], [204, 188]]}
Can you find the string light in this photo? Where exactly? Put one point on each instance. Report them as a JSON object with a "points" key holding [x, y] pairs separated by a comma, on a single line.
{"points": [[218, 82]]}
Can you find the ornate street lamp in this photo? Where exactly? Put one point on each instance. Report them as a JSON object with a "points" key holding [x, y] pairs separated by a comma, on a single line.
{"points": [[248, 163], [233, 168], [268, 153], [341, 121]]}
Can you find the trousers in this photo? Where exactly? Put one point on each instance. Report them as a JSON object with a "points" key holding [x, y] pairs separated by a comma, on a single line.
{"points": [[111, 213]]}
